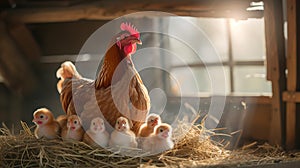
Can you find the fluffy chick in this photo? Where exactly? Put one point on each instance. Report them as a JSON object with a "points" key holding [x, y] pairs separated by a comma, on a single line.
{"points": [[47, 126], [160, 140], [96, 134], [122, 135], [148, 127], [73, 129]]}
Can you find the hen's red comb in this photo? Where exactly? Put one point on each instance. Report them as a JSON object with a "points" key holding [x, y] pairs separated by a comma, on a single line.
{"points": [[130, 28]]}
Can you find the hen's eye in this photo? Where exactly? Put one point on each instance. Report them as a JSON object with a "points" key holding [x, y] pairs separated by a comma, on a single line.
{"points": [[93, 123], [75, 122], [41, 116], [118, 122], [161, 130]]}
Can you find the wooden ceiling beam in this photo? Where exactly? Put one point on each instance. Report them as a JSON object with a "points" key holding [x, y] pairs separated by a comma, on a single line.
{"points": [[107, 10]]}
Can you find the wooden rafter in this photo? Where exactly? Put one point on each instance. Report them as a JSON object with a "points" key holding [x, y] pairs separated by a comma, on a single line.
{"points": [[14, 68], [25, 41], [107, 10]]}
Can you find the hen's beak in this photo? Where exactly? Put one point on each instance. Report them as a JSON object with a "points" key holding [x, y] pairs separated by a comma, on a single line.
{"points": [[137, 41]]}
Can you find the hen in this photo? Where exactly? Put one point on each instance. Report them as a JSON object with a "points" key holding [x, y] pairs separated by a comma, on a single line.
{"points": [[117, 91]]}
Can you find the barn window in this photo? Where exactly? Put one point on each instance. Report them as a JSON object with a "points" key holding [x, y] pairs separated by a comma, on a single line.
{"points": [[240, 45]]}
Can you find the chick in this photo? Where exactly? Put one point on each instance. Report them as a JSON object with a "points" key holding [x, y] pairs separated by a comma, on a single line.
{"points": [[96, 135], [122, 136], [159, 140], [47, 126], [73, 129], [147, 128]]}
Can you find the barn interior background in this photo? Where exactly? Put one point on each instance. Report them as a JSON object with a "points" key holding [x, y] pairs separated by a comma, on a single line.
{"points": [[257, 41]]}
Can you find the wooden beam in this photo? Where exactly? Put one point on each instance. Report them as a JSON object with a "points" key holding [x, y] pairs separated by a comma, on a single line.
{"points": [[291, 97], [108, 10], [276, 67], [225, 63], [265, 100], [24, 40], [292, 72], [17, 74]]}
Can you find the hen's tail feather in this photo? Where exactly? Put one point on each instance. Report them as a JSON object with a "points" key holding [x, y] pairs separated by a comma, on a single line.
{"points": [[66, 70]]}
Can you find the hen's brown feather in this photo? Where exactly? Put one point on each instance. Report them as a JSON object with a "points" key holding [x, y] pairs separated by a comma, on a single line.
{"points": [[80, 96], [110, 100]]}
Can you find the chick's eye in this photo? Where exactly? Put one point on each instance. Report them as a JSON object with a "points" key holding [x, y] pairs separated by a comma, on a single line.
{"points": [[75, 122], [93, 123], [41, 116]]}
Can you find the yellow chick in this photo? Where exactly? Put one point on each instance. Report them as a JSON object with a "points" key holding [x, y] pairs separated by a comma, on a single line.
{"points": [[96, 134], [73, 129], [148, 127], [160, 140], [122, 136], [47, 126]]}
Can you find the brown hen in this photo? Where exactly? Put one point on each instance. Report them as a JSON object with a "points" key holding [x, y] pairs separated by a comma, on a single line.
{"points": [[117, 91]]}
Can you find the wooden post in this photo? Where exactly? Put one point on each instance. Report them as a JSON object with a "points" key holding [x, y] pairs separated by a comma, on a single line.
{"points": [[276, 67], [292, 73]]}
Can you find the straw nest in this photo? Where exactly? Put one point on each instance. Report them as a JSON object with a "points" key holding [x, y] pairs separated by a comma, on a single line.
{"points": [[194, 148]]}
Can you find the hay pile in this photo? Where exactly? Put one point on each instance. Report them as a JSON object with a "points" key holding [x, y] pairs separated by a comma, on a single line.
{"points": [[193, 148]]}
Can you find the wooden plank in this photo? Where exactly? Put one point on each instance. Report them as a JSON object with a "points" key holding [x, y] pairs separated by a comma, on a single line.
{"points": [[276, 67], [265, 100], [293, 97], [292, 45], [46, 3], [292, 72], [225, 63], [108, 10]]}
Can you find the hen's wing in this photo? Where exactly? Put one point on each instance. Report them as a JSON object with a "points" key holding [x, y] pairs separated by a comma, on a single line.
{"points": [[139, 94], [74, 94], [140, 101]]}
